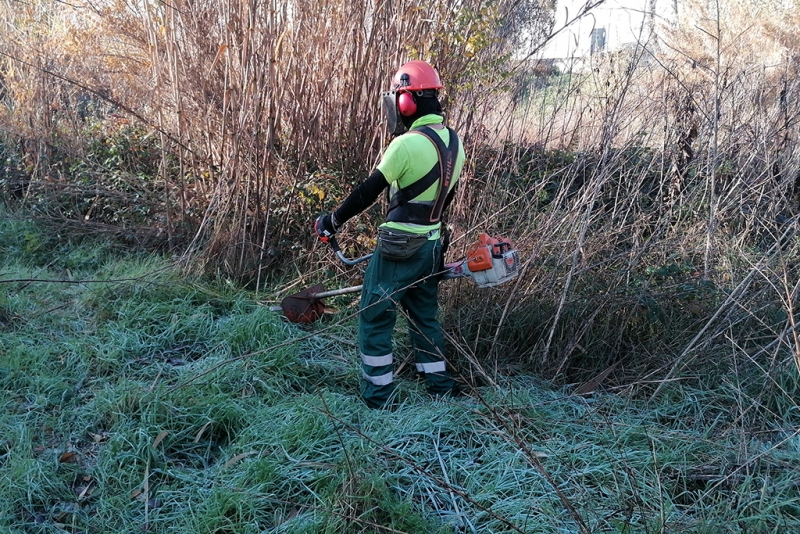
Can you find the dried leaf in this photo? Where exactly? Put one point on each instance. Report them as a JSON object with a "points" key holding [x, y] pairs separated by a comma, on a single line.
{"points": [[68, 457], [239, 457], [200, 433], [220, 51], [86, 491], [594, 383], [159, 438]]}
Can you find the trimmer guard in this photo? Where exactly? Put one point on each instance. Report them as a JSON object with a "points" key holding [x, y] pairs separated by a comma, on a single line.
{"points": [[304, 307]]}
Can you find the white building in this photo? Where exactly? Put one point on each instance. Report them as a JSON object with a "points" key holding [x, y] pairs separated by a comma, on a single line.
{"points": [[586, 27]]}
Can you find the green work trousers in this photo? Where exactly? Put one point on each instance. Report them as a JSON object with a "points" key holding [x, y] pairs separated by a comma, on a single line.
{"points": [[412, 283]]}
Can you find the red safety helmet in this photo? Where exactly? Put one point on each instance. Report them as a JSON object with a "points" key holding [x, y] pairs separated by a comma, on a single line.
{"points": [[414, 77]]}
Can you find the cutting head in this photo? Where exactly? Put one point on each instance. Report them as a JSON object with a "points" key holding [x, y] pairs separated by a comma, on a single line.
{"points": [[304, 307]]}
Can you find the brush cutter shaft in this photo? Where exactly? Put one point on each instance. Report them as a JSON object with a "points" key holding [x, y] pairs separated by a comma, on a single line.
{"points": [[336, 292], [489, 262], [452, 270]]}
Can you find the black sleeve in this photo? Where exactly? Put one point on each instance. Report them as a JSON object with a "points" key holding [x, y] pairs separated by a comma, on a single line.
{"points": [[450, 196], [361, 197]]}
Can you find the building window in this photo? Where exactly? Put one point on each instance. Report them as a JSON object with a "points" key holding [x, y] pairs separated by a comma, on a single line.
{"points": [[598, 40]]}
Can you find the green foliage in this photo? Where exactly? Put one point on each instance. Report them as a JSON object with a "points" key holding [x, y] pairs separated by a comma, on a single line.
{"points": [[117, 180]]}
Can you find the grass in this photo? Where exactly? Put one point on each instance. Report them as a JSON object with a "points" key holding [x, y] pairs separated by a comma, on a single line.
{"points": [[134, 398]]}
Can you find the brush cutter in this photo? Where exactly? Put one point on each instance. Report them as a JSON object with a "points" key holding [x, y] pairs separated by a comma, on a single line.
{"points": [[490, 261]]}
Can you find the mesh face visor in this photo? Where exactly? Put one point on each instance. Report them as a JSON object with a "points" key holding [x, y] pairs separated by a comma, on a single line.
{"points": [[393, 122]]}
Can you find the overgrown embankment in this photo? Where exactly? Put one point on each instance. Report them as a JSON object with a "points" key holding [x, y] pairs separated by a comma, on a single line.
{"points": [[135, 398], [652, 191]]}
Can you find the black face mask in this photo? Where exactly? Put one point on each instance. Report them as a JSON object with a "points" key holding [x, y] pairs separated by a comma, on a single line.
{"points": [[394, 122]]}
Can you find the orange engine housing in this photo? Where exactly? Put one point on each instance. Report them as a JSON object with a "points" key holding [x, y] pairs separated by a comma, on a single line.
{"points": [[492, 261], [479, 255]]}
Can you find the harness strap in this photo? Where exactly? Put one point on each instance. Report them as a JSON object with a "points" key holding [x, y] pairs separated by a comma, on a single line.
{"points": [[442, 171]]}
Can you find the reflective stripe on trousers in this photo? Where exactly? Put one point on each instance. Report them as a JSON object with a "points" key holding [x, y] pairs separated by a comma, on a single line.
{"points": [[377, 361], [431, 367], [369, 369], [380, 380]]}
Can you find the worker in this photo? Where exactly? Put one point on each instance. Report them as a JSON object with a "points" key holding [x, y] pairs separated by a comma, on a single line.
{"points": [[421, 167]]}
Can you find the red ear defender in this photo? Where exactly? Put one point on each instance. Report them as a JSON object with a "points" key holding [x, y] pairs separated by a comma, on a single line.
{"points": [[406, 104]]}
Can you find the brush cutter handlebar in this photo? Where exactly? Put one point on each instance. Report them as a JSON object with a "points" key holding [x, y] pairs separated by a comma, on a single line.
{"points": [[344, 259]]}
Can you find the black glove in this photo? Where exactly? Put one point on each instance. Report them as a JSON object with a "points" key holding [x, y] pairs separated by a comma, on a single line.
{"points": [[326, 226]]}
